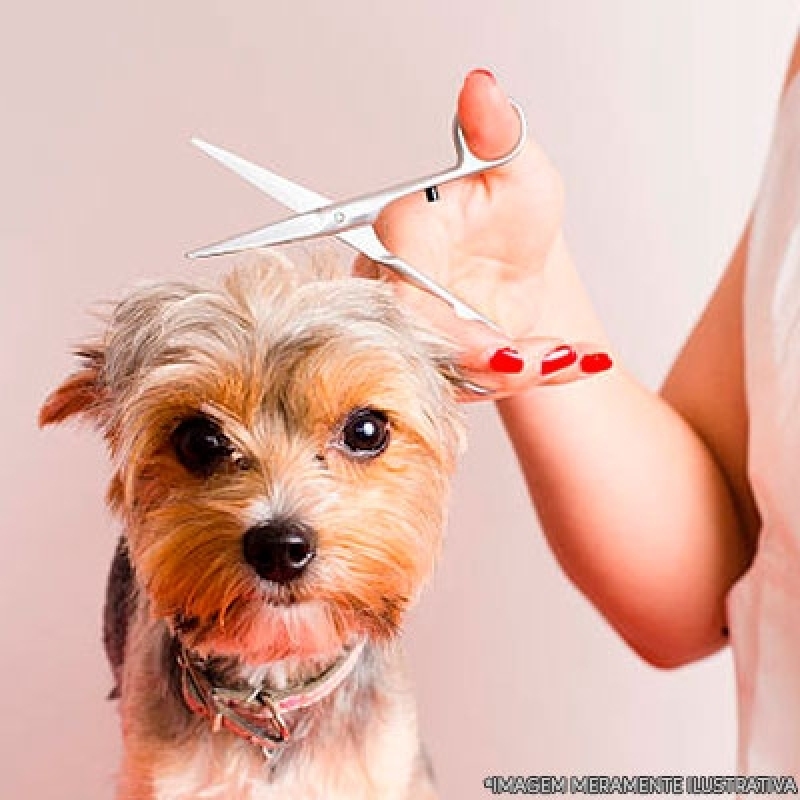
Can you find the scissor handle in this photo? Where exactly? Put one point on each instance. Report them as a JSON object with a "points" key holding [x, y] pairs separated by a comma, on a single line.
{"points": [[468, 163], [363, 210]]}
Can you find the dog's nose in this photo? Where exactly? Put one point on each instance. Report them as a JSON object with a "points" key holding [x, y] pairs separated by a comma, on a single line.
{"points": [[280, 550]]}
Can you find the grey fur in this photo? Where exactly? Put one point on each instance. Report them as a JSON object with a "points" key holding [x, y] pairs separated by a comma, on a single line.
{"points": [[119, 608]]}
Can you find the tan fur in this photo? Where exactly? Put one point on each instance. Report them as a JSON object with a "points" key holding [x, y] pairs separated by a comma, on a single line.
{"points": [[278, 356]]}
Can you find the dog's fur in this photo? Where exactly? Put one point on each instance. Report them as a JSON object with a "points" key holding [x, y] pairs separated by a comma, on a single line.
{"points": [[277, 356]]}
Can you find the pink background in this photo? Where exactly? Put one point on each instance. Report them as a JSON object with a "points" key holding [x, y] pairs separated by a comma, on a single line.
{"points": [[657, 113]]}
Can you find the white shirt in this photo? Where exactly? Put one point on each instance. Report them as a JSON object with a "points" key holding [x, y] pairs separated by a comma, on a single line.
{"points": [[764, 605]]}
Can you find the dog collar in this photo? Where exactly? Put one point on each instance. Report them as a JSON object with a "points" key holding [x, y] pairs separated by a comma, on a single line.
{"points": [[257, 715]]}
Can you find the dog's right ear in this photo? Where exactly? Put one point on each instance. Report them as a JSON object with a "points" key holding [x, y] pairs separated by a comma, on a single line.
{"points": [[81, 393]]}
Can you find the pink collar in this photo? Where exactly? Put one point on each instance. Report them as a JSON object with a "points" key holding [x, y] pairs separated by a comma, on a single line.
{"points": [[257, 715]]}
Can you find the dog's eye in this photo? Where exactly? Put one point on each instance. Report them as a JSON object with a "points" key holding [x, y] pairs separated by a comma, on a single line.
{"points": [[200, 445], [366, 432]]}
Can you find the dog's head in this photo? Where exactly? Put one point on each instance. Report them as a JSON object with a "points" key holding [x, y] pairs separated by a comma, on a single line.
{"points": [[282, 447]]}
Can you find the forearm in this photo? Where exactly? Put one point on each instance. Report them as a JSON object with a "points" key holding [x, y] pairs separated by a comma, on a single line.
{"points": [[632, 502]]}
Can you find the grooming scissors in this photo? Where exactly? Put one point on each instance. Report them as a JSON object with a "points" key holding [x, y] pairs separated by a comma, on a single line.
{"points": [[351, 220]]}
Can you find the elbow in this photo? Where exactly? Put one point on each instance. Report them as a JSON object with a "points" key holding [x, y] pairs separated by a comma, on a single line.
{"points": [[671, 650], [666, 661], [674, 658]]}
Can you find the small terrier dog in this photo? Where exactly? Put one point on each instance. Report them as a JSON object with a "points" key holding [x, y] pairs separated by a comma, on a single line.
{"points": [[282, 446]]}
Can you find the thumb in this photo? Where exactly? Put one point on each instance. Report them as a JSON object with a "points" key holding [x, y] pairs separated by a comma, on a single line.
{"points": [[490, 123]]}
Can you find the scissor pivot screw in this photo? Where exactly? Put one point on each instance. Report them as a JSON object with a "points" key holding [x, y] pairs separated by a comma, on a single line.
{"points": [[432, 194]]}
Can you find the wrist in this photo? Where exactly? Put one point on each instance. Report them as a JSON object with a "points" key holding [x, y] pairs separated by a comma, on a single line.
{"points": [[564, 308]]}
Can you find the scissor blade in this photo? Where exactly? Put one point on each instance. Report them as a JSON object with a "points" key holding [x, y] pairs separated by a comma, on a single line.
{"points": [[290, 194], [305, 226]]}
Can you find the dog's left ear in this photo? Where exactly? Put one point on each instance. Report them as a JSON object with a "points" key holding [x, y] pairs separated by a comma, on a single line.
{"points": [[444, 353], [465, 387], [81, 393]]}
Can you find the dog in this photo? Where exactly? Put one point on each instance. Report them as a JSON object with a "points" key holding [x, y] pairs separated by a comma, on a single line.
{"points": [[282, 444]]}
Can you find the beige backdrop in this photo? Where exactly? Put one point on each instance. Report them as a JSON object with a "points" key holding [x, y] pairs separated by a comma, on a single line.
{"points": [[658, 114]]}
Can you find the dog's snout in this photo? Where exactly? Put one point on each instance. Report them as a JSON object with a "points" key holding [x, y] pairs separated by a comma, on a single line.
{"points": [[279, 551]]}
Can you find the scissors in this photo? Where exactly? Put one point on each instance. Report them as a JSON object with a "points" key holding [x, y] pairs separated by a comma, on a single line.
{"points": [[351, 221]]}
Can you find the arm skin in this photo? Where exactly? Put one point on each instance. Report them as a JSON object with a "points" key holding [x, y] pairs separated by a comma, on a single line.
{"points": [[637, 507], [644, 498]]}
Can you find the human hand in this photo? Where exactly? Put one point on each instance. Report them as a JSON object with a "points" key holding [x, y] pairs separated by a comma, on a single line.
{"points": [[495, 241]]}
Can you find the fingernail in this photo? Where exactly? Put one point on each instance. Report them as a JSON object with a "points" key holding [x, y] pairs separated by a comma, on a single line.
{"points": [[488, 73], [559, 358], [508, 360], [596, 362]]}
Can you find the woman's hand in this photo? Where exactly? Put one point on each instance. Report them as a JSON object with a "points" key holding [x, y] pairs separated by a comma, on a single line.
{"points": [[495, 240]]}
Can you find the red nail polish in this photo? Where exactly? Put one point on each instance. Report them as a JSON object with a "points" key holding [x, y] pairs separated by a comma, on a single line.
{"points": [[488, 73], [596, 362], [508, 360], [559, 358]]}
